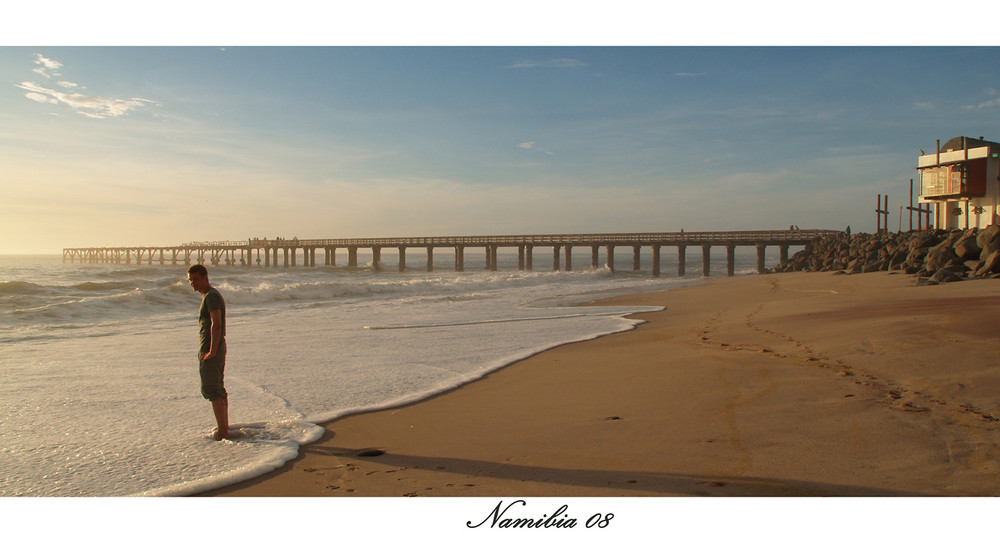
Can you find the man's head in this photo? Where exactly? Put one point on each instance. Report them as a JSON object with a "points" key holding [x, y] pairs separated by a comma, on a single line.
{"points": [[198, 277]]}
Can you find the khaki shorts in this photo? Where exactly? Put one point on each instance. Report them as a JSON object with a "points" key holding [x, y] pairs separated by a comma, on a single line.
{"points": [[212, 387]]}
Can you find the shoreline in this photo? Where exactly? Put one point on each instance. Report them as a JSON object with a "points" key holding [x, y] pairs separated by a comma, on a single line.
{"points": [[793, 384]]}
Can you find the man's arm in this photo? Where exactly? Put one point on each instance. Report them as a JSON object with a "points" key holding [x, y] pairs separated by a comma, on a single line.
{"points": [[216, 316]]}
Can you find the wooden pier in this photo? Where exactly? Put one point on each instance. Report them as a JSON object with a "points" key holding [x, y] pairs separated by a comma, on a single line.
{"points": [[266, 253]]}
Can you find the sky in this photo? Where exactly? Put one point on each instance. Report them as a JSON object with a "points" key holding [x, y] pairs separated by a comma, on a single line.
{"points": [[125, 144]]}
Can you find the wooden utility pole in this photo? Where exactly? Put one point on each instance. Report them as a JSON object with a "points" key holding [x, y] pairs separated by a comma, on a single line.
{"points": [[882, 213], [920, 210]]}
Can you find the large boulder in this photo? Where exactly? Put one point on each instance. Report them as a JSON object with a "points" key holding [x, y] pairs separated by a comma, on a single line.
{"points": [[987, 235], [940, 256], [945, 275], [956, 234], [990, 248], [967, 247], [917, 254], [897, 259], [927, 239], [990, 265]]}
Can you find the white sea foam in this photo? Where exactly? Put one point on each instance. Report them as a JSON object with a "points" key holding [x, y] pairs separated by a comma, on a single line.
{"points": [[100, 387]]}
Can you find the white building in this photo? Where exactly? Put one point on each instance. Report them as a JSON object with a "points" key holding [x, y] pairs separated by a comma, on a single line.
{"points": [[962, 180]]}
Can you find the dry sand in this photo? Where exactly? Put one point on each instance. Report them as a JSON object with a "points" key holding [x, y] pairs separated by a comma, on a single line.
{"points": [[775, 385]]}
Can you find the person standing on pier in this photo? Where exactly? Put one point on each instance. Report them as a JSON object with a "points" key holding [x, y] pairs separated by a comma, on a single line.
{"points": [[212, 352]]}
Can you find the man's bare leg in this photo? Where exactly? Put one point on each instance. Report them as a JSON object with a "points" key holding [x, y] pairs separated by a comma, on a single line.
{"points": [[220, 406]]}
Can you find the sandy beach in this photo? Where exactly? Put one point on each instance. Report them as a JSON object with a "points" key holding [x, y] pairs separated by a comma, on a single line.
{"points": [[797, 384]]}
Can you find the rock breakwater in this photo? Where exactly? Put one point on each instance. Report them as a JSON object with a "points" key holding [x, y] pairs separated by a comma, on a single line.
{"points": [[934, 256]]}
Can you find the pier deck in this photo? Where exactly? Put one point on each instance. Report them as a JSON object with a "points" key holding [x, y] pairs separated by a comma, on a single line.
{"points": [[266, 253]]}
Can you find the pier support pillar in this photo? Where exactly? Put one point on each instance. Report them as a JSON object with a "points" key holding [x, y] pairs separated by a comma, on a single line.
{"points": [[352, 257], [528, 249], [286, 257], [636, 249], [377, 258], [656, 260], [730, 260], [706, 259], [569, 258], [492, 250], [520, 257], [402, 258], [430, 258], [459, 258], [555, 258], [312, 257], [761, 248], [611, 258], [784, 254], [595, 253], [681, 260]]}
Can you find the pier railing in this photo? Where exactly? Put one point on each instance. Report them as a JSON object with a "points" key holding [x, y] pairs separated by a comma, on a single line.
{"points": [[267, 251], [748, 237]]}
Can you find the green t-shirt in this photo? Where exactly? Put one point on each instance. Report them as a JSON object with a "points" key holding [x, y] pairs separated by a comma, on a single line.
{"points": [[211, 301]]}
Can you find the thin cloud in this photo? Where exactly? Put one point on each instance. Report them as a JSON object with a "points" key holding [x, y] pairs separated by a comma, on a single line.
{"points": [[40, 98], [530, 145], [46, 66], [91, 106], [95, 107], [923, 105], [554, 63], [983, 105], [689, 74], [988, 103]]}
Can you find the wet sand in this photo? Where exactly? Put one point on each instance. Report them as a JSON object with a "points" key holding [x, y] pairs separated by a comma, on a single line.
{"points": [[774, 385]]}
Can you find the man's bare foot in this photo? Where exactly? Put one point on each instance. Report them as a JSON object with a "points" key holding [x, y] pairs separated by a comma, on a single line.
{"points": [[231, 434]]}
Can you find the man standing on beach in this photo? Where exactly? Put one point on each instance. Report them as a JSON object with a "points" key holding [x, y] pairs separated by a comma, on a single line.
{"points": [[212, 353]]}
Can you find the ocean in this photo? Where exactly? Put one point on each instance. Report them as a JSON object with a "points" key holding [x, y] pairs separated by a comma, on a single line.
{"points": [[100, 392]]}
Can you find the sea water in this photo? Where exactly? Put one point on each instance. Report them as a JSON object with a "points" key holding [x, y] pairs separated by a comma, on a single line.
{"points": [[100, 393]]}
